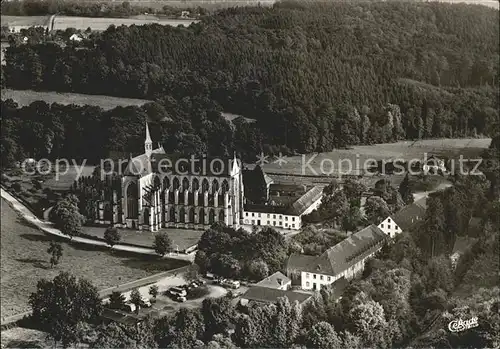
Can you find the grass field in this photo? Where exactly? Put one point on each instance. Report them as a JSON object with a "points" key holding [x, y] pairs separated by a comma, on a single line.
{"points": [[26, 97], [101, 24], [24, 261], [23, 21], [356, 159]]}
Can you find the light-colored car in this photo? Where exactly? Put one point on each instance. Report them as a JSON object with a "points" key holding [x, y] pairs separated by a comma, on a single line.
{"points": [[177, 291], [130, 307], [146, 303], [231, 284], [181, 299]]}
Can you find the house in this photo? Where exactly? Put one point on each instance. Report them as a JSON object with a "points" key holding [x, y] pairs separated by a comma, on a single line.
{"points": [[433, 165], [75, 38], [405, 218], [278, 281], [346, 259], [266, 295], [462, 243]]}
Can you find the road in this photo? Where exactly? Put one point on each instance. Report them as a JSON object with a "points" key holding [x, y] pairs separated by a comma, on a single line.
{"points": [[48, 227]]}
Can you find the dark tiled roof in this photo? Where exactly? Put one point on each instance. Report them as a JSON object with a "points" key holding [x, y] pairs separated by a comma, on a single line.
{"points": [[348, 252], [411, 214], [305, 201], [299, 261], [271, 295], [273, 281], [203, 166], [462, 243]]}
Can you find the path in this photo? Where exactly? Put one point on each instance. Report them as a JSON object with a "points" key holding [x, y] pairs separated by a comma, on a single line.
{"points": [[420, 195], [47, 227]]}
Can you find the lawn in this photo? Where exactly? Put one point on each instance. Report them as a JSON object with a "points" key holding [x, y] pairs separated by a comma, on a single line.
{"points": [[101, 24], [24, 261], [355, 159], [181, 238], [26, 97]]}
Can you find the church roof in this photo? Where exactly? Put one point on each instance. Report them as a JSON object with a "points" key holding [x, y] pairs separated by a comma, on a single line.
{"points": [[182, 165]]}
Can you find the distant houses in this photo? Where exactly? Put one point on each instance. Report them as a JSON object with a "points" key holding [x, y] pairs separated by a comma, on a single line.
{"points": [[344, 260], [404, 219]]}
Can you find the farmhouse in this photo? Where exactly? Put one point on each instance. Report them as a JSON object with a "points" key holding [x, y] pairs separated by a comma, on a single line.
{"points": [[277, 280], [405, 218], [345, 259]]}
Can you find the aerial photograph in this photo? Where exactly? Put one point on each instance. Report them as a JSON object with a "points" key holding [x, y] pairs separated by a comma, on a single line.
{"points": [[226, 174]]}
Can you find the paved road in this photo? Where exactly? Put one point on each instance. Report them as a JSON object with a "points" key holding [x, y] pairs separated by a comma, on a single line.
{"points": [[49, 228]]}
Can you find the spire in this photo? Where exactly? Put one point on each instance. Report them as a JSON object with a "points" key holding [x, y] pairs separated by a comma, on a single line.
{"points": [[148, 144], [148, 137]]}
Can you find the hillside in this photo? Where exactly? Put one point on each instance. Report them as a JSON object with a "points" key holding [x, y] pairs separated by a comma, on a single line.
{"points": [[314, 76]]}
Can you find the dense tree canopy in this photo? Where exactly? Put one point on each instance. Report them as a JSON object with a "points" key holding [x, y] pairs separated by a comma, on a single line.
{"points": [[314, 76]]}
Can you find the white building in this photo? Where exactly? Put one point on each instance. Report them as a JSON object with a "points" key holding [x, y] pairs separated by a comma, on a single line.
{"points": [[283, 216], [404, 219], [346, 259], [75, 38]]}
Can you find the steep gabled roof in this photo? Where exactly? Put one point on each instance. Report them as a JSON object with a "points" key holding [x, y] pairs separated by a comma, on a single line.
{"points": [[305, 201], [275, 280], [348, 252], [299, 262], [411, 214]]}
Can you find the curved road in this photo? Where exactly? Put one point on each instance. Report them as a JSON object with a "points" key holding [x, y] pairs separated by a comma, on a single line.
{"points": [[48, 228]]}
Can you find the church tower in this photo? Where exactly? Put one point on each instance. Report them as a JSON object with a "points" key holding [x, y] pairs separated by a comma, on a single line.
{"points": [[148, 144]]}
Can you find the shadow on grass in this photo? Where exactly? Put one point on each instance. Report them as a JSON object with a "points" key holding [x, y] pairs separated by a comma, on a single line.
{"points": [[23, 344], [152, 263], [37, 237], [35, 262]]}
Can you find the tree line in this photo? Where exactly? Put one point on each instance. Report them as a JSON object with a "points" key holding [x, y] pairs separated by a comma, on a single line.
{"points": [[314, 77], [92, 9]]}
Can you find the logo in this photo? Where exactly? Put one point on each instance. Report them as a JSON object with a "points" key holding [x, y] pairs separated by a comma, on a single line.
{"points": [[461, 325]]}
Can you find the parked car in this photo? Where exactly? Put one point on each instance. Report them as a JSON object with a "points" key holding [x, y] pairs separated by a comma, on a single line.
{"points": [[210, 276], [129, 307], [201, 282], [177, 291], [181, 299], [194, 284], [146, 303], [231, 284]]}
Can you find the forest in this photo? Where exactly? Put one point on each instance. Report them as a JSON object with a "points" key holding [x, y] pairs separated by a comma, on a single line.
{"points": [[314, 77]]}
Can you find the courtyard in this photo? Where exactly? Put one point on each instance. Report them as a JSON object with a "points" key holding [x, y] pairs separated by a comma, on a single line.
{"points": [[25, 261]]}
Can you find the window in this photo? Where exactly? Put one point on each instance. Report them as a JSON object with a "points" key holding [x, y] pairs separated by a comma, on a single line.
{"points": [[281, 217], [389, 226], [268, 223], [321, 277], [382, 225], [293, 219], [274, 223], [286, 225], [274, 216], [329, 278], [388, 220], [253, 221], [286, 218], [246, 214], [307, 275], [293, 225], [314, 276], [307, 284], [259, 214], [268, 215], [253, 214]]}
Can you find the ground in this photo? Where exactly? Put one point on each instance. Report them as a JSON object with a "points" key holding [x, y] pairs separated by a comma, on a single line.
{"points": [[181, 238], [26, 97], [24, 261], [19, 337]]}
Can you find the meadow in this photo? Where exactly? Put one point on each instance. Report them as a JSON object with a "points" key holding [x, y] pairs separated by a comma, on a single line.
{"points": [[101, 24], [26, 97], [356, 159], [24, 261]]}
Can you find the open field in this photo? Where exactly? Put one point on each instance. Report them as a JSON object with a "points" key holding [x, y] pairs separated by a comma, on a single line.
{"points": [[101, 24], [19, 337], [181, 238], [25, 21], [26, 97], [358, 158], [24, 261]]}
